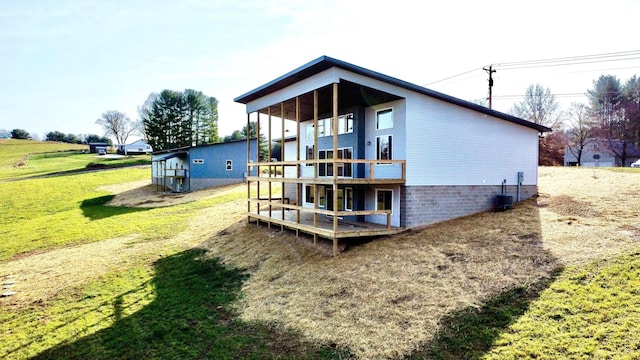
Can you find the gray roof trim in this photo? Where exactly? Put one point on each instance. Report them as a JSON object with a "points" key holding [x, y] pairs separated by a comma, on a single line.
{"points": [[324, 62]]}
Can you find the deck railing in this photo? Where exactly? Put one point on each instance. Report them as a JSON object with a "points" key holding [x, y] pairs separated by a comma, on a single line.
{"points": [[370, 164]]}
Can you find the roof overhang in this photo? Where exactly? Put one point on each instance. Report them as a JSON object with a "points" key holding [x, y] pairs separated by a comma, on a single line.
{"points": [[324, 62]]}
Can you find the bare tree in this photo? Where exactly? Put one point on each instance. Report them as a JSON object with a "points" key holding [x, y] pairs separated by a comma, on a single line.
{"points": [[117, 124], [581, 129], [538, 106]]}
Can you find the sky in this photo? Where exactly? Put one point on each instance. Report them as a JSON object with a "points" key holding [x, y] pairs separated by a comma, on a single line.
{"points": [[63, 63]]}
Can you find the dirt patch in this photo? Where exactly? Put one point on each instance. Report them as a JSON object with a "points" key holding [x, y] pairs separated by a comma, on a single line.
{"points": [[143, 194], [568, 206]]}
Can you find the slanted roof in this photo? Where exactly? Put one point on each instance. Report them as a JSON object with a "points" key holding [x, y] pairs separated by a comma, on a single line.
{"points": [[324, 62]]}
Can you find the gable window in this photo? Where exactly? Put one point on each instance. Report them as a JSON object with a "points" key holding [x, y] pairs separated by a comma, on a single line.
{"points": [[384, 199], [384, 147], [384, 119], [229, 165]]}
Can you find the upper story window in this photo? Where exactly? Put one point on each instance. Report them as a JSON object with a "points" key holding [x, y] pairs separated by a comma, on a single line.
{"points": [[384, 119], [325, 126]]}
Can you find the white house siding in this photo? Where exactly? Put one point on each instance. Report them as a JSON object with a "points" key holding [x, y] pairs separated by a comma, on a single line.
{"points": [[458, 146]]}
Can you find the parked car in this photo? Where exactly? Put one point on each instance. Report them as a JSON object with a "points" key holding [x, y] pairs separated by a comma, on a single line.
{"points": [[102, 152], [636, 164]]}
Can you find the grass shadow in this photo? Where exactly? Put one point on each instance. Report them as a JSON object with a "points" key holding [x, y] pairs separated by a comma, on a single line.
{"points": [[95, 208], [189, 318], [471, 332]]}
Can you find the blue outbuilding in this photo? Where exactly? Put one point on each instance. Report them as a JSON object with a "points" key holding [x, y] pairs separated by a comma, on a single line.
{"points": [[199, 167]]}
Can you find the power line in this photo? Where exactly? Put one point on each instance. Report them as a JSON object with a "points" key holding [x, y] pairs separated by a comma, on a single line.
{"points": [[562, 64], [621, 54], [454, 76]]}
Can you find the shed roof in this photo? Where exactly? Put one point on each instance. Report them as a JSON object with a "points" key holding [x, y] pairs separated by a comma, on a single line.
{"points": [[325, 62]]}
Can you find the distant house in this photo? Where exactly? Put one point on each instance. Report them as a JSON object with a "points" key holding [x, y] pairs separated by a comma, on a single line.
{"points": [[376, 155], [199, 167], [602, 153], [95, 148], [136, 147], [5, 134]]}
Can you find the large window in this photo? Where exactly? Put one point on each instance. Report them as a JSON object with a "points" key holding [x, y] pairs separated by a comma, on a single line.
{"points": [[325, 126], [384, 119], [384, 199], [344, 169], [384, 147]]}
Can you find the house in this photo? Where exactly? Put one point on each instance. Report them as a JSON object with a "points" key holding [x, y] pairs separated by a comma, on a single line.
{"points": [[198, 167], [97, 147], [5, 134], [602, 153], [376, 155], [137, 147]]}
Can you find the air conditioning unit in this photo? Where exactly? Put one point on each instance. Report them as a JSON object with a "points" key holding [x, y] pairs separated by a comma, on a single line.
{"points": [[504, 202]]}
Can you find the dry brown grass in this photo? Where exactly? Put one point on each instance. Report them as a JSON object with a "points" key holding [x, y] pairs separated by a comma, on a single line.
{"points": [[385, 298]]}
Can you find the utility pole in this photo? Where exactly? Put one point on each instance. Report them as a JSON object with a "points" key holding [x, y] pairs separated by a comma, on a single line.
{"points": [[490, 71]]}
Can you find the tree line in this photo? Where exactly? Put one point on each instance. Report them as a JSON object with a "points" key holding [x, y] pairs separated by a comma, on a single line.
{"points": [[611, 114]]}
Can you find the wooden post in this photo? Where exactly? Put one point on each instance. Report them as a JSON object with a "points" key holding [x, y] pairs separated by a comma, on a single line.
{"points": [[282, 194], [248, 168], [298, 167], [315, 165], [257, 152], [334, 164], [269, 160]]}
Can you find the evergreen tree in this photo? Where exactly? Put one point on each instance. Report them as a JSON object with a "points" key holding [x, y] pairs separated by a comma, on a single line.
{"points": [[175, 119]]}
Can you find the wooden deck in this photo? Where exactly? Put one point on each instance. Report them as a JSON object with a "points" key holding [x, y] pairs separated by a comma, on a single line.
{"points": [[324, 228]]}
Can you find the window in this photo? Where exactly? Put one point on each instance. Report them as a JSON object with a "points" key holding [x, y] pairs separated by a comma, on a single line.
{"points": [[348, 199], [198, 161], [384, 147], [310, 154], [229, 165], [321, 196], [384, 119], [384, 199], [345, 124], [320, 128], [325, 126], [308, 196], [309, 132], [340, 200], [344, 169]]}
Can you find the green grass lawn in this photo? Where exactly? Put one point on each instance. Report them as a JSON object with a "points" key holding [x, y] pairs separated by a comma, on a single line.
{"points": [[21, 159], [584, 312], [176, 308], [13, 150], [179, 304]]}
